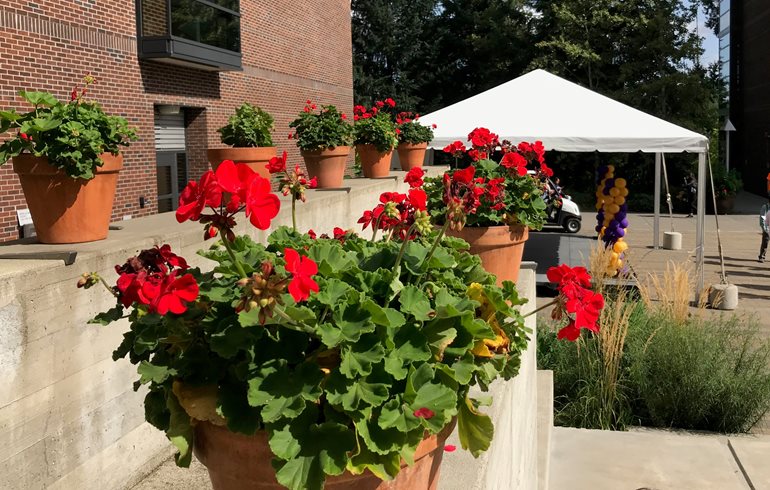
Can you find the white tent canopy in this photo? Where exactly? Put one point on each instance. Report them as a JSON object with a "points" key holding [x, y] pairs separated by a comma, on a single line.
{"points": [[568, 117]]}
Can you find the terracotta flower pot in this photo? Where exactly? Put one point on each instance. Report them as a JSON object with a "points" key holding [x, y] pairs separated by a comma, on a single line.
{"points": [[375, 164], [256, 158], [327, 166], [725, 204], [411, 156], [67, 210], [499, 247], [239, 462]]}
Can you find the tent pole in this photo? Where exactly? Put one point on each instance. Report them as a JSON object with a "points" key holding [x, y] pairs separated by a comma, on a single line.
{"points": [[656, 206], [700, 225]]}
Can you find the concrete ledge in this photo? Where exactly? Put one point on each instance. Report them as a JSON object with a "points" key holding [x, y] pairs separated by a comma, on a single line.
{"points": [[512, 460], [68, 415], [544, 426]]}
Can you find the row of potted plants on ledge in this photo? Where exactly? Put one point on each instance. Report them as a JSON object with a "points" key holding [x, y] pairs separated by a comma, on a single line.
{"points": [[68, 154], [338, 361]]}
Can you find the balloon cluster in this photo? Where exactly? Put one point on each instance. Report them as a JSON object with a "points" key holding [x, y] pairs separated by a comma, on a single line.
{"points": [[611, 216]]}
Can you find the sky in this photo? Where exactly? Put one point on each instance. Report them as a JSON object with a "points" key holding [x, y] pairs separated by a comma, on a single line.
{"points": [[710, 41]]}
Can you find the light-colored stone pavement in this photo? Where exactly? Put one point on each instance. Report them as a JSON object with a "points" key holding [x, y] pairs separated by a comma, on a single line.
{"points": [[584, 459]]}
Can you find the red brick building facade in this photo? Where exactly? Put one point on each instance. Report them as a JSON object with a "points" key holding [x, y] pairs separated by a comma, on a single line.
{"points": [[291, 51]]}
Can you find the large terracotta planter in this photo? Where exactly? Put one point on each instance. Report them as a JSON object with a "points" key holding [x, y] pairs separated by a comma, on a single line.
{"points": [[327, 166], [499, 247], [239, 462], [375, 163], [411, 156], [256, 158], [67, 210], [725, 204]]}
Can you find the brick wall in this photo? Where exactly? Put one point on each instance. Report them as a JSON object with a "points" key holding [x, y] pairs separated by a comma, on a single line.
{"points": [[292, 51]]}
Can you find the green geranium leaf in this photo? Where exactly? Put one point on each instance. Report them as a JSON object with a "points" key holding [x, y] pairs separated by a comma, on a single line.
{"points": [[384, 467], [464, 369], [440, 334], [441, 399], [398, 415], [332, 260], [156, 374], [41, 124], [331, 292], [414, 257], [180, 431], [475, 429], [39, 98], [233, 339], [379, 440], [350, 322], [156, 411], [281, 391], [395, 366], [415, 302], [112, 315], [411, 344], [235, 408], [324, 449], [352, 395], [358, 358], [441, 259]]}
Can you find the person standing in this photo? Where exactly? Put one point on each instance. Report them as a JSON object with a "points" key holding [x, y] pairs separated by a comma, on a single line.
{"points": [[691, 188], [764, 225]]}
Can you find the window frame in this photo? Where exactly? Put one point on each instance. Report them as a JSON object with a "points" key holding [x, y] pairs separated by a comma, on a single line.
{"points": [[180, 50]]}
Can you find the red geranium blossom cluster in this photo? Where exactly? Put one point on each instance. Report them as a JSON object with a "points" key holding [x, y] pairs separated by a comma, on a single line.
{"points": [[361, 112], [456, 149], [337, 234], [576, 301], [302, 269], [294, 182], [462, 194], [397, 212], [229, 190], [155, 279]]}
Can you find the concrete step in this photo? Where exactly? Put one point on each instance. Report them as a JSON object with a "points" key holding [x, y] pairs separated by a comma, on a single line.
{"points": [[584, 459]]}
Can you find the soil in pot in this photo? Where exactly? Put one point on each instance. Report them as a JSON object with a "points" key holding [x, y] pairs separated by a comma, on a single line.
{"points": [[327, 166], [499, 247], [411, 156], [256, 158], [67, 210], [374, 163], [239, 462]]}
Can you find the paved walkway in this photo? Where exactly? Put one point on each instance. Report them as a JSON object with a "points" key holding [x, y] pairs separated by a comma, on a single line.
{"points": [[657, 460]]}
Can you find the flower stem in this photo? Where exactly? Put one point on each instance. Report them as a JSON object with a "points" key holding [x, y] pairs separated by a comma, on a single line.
{"points": [[291, 324], [236, 262], [403, 246], [294, 212], [436, 242], [109, 288], [541, 308], [376, 227]]}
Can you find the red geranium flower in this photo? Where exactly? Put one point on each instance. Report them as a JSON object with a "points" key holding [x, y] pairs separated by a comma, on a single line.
{"points": [[277, 164], [197, 195], [301, 268], [390, 102], [418, 199], [311, 234], [261, 204], [464, 176], [414, 177], [514, 161], [174, 293], [564, 275], [457, 148], [483, 138]]}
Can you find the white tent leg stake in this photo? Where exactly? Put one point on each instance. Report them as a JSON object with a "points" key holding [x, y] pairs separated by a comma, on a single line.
{"points": [[672, 240], [722, 296]]}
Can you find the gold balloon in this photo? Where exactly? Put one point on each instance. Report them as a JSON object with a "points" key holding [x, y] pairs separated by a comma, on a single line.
{"points": [[614, 192], [620, 200], [599, 206], [610, 175], [621, 182], [624, 192], [614, 208], [620, 263], [610, 168]]}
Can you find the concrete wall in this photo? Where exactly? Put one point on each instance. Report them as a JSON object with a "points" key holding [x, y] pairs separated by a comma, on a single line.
{"points": [[68, 416], [512, 460]]}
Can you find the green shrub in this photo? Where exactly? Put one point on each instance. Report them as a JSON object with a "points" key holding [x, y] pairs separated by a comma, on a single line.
{"points": [[705, 375], [322, 130], [250, 126], [378, 130]]}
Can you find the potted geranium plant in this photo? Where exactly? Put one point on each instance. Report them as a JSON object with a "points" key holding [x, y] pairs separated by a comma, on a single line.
{"points": [[67, 156], [318, 363], [375, 138], [413, 139], [248, 134], [727, 183], [324, 139], [492, 205]]}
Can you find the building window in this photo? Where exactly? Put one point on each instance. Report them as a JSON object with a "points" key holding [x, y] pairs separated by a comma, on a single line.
{"points": [[202, 33]]}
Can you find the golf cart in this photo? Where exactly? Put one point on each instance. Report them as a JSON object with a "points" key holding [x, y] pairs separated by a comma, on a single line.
{"points": [[562, 210]]}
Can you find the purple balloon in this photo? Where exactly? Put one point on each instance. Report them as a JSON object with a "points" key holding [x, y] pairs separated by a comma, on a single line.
{"points": [[620, 216], [598, 228], [621, 232], [624, 222]]}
